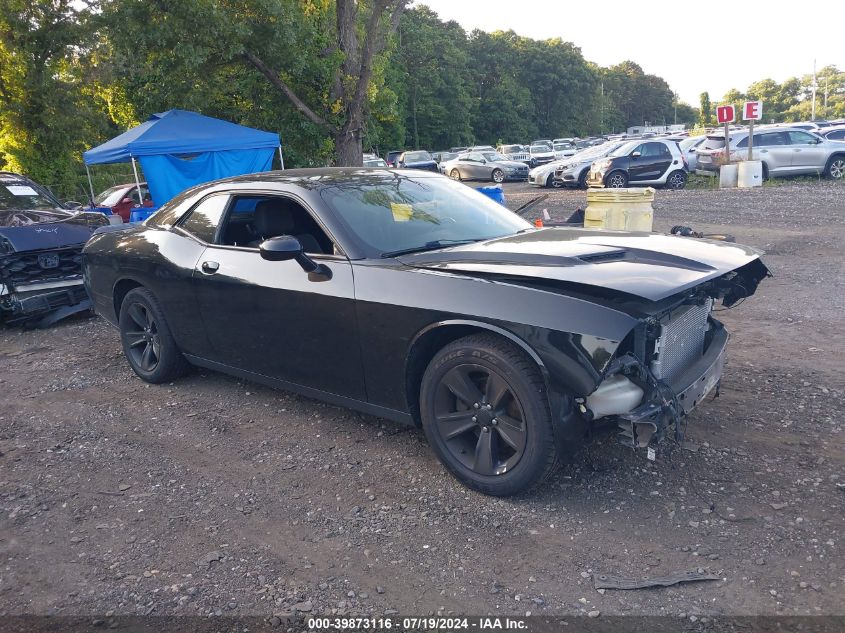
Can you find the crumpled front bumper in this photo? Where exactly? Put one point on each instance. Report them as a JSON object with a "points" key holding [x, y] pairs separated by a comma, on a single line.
{"points": [[43, 303]]}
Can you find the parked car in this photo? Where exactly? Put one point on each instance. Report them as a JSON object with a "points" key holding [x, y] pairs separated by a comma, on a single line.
{"points": [[573, 171], [374, 161], [514, 152], [120, 200], [458, 150], [783, 152], [688, 146], [392, 157], [443, 156], [833, 133], [642, 162], [543, 141], [418, 159], [40, 253], [420, 300], [485, 166], [563, 150], [539, 154]]}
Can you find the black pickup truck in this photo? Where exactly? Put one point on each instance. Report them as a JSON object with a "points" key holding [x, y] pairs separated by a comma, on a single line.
{"points": [[40, 254]]}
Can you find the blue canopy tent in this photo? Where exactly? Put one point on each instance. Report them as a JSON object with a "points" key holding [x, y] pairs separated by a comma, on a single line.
{"points": [[178, 149]]}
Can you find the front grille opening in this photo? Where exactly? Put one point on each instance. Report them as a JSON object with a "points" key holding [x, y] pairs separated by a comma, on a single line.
{"points": [[681, 341], [28, 267]]}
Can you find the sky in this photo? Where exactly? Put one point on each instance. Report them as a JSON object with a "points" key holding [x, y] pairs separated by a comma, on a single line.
{"points": [[673, 40]]}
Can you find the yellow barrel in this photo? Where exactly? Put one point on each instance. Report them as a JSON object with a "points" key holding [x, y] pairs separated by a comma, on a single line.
{"points": [[620, 209]]}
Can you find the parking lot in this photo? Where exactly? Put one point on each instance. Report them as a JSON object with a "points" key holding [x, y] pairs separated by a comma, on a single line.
{"points": [[216, 496]]}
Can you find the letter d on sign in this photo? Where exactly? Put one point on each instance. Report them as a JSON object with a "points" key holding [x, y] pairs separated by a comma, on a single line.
{"points": [[725, 114]]}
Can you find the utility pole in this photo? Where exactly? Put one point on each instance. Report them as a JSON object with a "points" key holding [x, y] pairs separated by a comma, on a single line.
{"points": [[813, 112], [601, 125]]}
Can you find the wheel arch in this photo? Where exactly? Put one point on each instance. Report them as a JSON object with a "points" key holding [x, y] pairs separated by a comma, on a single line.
{"points": [[122, 288], [432, 338]]}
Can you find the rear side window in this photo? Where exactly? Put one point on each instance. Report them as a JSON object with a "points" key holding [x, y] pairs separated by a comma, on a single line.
{"points": [[203, 220], [713, 142], [837, 135], [800, 138]]}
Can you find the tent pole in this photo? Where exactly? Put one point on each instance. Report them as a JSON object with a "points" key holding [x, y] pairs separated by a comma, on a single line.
{"points": [[281, 158], [90, 185], [137, 182]]}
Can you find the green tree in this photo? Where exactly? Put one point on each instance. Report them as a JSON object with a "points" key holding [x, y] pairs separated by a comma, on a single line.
{"points": [[435, 69], [317, 59], [705, 110], [48, 114]]}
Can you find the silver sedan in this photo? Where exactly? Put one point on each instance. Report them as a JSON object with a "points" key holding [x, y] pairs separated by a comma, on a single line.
{"points": [[484, 166]]}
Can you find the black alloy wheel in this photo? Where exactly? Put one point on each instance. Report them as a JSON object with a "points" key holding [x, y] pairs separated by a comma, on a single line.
{"points": [[485, 413], [480, 419], [142, 338], [147, 342]]}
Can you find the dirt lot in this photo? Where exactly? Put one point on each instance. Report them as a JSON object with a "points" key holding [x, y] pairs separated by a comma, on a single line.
{"points": [[215, 496]]}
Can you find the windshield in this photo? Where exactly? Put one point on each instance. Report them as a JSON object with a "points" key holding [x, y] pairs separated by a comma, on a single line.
{"points": [[493, 156], [539, 148], [374, 162], [392, 212], [417, 157], [597, 151], [625, 148], [110, 197], [20, 196], [511, 149]]}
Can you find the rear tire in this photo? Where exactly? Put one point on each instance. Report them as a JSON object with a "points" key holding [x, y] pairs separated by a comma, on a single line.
{"points": [[455, 174], [504, 445], [835, 169], [582, 179], [616, 180], [146, 338], [676, 180]]}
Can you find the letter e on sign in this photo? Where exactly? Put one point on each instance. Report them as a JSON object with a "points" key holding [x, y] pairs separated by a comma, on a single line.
{"points": [[752, 111], [725, 114]]}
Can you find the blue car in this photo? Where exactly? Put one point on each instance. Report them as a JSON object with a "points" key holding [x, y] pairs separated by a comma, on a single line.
{"points": [[419, 159]]}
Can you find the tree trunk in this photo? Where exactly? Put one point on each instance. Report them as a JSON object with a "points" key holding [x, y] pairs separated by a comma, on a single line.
{"points": [[347, 145]]}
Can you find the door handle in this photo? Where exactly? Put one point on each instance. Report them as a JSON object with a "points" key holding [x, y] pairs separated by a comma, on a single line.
{"points": [[210, 268]]}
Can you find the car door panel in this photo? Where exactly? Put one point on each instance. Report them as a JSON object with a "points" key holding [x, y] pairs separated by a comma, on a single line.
{"points": [[807, 156], [275, 319]]}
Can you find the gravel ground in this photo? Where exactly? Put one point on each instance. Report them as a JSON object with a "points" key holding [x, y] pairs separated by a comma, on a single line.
{"points": [[216, 496]]}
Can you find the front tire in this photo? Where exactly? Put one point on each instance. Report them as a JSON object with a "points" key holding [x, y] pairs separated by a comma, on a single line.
{"points": [[582, 179], [455, 174], [486, 415], [835, 169], [146, 338], [616, 180], [550, 181], [676, 180], [498, 176]]}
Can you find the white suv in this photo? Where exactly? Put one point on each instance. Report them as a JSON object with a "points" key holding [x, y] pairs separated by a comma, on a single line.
{"points": [[783, 152]]}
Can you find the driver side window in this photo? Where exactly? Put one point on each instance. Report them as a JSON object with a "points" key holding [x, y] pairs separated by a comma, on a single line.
{"points": [[253, 219]]}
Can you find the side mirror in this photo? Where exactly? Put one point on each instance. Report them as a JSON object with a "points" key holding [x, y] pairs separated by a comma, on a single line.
{"points": [[636, 155], [287, 247]]}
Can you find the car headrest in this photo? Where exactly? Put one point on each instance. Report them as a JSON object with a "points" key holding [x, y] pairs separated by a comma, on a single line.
{"points": [[273, 217]]}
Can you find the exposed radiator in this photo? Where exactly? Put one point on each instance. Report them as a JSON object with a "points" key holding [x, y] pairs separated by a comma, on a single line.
{"points": [[681, 341]]}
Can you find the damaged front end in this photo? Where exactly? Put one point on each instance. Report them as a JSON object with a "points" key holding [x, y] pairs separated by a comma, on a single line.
{"points": [[41, 266], [670, 361]]}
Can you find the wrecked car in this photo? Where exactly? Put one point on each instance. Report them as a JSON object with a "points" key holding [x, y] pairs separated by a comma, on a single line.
{"points": [[412, 297], [40, 254]]}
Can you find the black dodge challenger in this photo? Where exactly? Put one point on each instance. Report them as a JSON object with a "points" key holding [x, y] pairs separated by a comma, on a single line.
{"points": [[409, 296]]}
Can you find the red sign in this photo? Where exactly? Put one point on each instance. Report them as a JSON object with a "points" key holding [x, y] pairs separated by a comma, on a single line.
{"points": [[725, 114], [752, 111]]}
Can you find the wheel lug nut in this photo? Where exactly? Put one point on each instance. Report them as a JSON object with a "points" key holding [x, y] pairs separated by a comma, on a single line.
{"points": [[474, 419], [494, 422], [476, 405], [485, 429]]}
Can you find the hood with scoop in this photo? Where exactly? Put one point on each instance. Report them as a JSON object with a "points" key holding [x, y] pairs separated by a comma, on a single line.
{"points": [[645, 265]]}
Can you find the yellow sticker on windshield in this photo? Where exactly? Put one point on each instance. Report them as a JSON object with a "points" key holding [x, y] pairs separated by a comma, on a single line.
{"points": [[402, 212]]}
